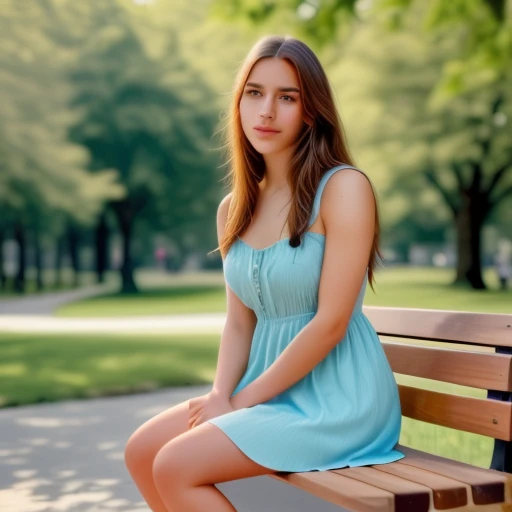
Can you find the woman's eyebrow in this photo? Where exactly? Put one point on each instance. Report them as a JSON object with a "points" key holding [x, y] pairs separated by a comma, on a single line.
{"points": [[282, 89]]}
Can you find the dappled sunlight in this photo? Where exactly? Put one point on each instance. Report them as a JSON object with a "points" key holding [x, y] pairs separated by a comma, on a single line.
{"points": [[114, 363], [13, 370], [74, 379], [69, 456], [23, 498], [205, 374], [45, 422]]}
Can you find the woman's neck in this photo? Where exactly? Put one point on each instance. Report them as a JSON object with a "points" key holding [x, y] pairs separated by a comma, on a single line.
{"points": [[276, 171]]}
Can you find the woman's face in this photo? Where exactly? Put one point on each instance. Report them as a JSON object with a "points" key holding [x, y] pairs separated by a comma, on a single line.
{"points": [[271, 99]]}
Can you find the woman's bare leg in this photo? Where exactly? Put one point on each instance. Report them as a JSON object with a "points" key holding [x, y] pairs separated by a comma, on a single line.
{"points": [[145, 443]]}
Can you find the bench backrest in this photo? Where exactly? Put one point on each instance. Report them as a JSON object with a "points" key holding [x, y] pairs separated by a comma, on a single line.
{"points": [[482, 369]]}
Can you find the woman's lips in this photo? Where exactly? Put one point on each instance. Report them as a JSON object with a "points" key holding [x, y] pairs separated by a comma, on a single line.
{"points": [[266, 132]]}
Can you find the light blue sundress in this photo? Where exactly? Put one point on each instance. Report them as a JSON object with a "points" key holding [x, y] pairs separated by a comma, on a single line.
{"points": [[346, 411]]}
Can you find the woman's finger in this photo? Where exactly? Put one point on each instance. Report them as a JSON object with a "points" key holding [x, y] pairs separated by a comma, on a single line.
{"points": [[197, 421], [195, 416]]}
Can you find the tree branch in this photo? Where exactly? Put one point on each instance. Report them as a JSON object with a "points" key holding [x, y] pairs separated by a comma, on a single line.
{"points": [[500, 198], [498, 8], [486, 142], [498, 176], [457, 170], [432, 178]]}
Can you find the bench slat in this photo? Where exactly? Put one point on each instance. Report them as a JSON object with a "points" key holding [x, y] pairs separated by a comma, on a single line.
{"points": [[487, 486], [474, 369], [408, 495], [446, 492], [486, 417], [453, 326], [340, 490]]}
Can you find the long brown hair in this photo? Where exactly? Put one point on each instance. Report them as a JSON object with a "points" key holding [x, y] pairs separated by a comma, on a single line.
{"points": [[320, 147]]}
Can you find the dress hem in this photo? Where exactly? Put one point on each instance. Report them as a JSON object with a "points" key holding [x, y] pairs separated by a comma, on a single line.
{"points": [[398, 456]]}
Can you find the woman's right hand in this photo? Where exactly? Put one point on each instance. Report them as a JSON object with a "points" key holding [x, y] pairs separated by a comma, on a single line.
{"points": [[206, 407]]}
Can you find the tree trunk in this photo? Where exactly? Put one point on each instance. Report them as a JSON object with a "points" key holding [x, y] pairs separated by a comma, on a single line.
{"points": [[59, 254], [469, 220], [128, 283], [38, 261], [101, 241], [3, 279], [19, 236], [74, 253]]}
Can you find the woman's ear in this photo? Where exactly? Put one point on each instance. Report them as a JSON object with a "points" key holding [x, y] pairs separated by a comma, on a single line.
{"points": [[308, 120]]}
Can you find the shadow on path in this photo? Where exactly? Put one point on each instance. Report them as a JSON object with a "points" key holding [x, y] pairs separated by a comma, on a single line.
{"points": [[69, 456]]}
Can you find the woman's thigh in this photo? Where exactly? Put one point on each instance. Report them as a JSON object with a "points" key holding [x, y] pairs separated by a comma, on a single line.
{"points": [[143, 445]]}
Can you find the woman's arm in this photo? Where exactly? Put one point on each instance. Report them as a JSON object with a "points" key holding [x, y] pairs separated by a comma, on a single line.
{"points": [[238, 330], [348, 214]]}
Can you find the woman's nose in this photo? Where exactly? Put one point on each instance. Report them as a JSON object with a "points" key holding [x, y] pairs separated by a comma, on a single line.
{"points": [[267, 110]]}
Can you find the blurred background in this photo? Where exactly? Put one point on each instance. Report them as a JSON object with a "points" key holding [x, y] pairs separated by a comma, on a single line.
{"points": [[111, 171]]}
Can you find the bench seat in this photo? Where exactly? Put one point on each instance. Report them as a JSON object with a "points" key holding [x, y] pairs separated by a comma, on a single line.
{"points": [[467, 349], [420, 482]]}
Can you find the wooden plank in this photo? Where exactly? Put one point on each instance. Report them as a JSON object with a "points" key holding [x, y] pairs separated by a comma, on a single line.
{"points": [[487, 485], [408, 495], [474, 369], [480, 416], [446, 492], [340, 490], [429, 324], [484, 508]]}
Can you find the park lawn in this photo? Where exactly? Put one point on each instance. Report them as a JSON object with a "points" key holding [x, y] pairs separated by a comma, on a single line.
{"points": [[46, 368], [401, 287], [177, 300]]}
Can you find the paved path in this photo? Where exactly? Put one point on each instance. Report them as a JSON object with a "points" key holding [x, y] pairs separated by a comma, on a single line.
{"points": [[207, 323], [34, 314], [46, 303], [68, 456]]}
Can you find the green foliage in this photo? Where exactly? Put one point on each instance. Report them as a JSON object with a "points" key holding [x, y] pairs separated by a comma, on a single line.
{"points": [[485, 26], [41, 172], [142, 115]]}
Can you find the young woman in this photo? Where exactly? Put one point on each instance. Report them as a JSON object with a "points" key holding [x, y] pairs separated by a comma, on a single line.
{"points": [[302, 381]]}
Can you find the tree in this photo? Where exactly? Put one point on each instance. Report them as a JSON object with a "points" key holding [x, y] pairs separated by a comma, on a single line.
{"points": [[409, 129], [442, 105], [140, 118], [41, 172]]}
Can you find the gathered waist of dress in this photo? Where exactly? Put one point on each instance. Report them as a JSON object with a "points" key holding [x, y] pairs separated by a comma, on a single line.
{"points": [[289, 318]]}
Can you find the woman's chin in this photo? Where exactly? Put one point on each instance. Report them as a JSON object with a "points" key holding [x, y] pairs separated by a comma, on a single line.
{"points": [[266, 149]]}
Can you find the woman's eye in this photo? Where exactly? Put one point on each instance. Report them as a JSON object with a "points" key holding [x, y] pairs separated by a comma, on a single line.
{"points": [[254, 92]]}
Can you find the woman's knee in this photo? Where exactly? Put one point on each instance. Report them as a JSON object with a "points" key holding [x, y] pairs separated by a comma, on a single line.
{"points": [[167, 469], [143, 445], [137, 451]]}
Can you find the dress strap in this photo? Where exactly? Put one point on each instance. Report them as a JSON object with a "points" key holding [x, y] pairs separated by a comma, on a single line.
{"points": [[320, 189]]}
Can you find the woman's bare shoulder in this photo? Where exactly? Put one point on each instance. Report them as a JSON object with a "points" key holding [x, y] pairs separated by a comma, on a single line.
{"points": [[222, 214]]}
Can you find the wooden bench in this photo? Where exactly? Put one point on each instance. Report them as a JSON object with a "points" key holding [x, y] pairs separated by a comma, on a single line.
{"points": [[422, 481]]}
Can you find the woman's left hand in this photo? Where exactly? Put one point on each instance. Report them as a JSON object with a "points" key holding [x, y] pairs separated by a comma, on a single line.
{"points": [[202, 410]]}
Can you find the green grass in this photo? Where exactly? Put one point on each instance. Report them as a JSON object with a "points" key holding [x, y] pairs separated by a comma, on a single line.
{"points": [[152, 301], [46, 368], [164, 294], [430, 288]]}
